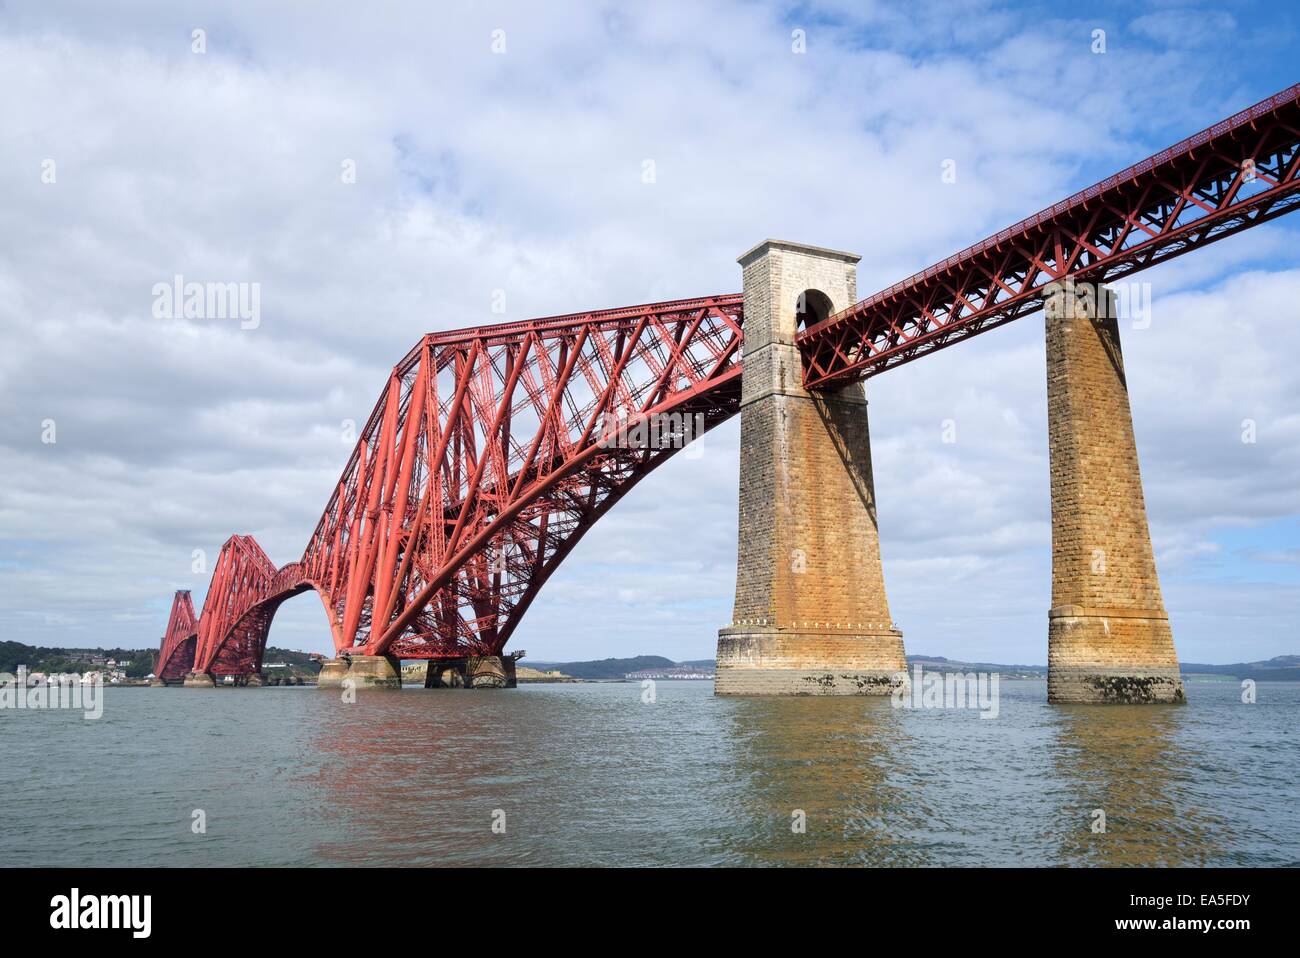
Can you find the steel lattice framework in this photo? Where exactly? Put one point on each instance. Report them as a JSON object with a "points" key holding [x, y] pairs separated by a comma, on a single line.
{"points": [[176, 655], [1237, 174], [245, 592], [486, 458], [482, 466]]}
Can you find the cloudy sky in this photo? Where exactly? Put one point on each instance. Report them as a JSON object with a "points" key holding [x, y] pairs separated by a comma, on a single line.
{"points": [[513, 160]]}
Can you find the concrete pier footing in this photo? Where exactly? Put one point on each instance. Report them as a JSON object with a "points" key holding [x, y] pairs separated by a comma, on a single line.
{"points": [[811, 616], [1108, 638], [375, 672], [812, 663], [364, 671], [332, 674], [490, 672], [199, 680], [473, 672]]}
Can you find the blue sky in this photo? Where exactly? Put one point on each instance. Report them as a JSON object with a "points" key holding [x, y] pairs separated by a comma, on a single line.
{"points": [[520, 170]]}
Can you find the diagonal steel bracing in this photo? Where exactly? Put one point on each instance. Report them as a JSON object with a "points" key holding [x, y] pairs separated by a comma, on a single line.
{"points": [[484, 462], [1237, 174], [176, 656]]}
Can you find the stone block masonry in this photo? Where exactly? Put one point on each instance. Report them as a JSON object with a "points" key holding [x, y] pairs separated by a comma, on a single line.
{"points": [[1109, 638], [811, 616]]}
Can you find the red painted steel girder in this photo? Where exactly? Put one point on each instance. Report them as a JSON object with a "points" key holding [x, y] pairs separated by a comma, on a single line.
{"points": [[485, 460], [176, 654], [482, 466], [243, 596], [1238, 173]]}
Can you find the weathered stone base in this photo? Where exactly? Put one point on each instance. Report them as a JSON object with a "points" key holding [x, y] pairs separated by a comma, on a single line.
{"points": [[804, 682], [1118, 657], [490, 672], [474, 672], [157, 683], [332, 674], [805, 663], [199, 680], [253, 681], [365, 671], [375, 672]]}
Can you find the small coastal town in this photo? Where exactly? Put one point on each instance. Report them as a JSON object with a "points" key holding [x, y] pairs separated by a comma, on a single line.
{"points": [[676, 672], [38, 666], [111, 674], [291, 667]]}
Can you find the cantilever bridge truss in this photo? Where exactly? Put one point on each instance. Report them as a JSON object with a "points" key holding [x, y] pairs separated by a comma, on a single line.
{"points": [[484, 462], [485, 459]]}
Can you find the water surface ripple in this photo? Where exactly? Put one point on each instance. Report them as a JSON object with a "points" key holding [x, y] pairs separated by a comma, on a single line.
{"points": [[591, 775]]}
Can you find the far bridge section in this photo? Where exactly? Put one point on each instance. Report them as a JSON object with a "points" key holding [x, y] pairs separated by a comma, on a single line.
{"points": [[486, 459]]}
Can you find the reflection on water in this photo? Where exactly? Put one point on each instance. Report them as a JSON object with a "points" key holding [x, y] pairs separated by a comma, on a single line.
{"points": [[591, 775], [833, 760], [1130, 762]]}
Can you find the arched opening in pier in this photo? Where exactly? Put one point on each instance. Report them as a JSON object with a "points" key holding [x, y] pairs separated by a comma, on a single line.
{"points": [[811, 308]]}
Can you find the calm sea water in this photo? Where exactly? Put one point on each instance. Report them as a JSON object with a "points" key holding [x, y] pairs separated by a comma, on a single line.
{"points": [[591, 775]]}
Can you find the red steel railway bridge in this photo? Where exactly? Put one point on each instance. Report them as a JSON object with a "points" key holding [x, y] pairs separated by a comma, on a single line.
{"points": [[488, 454]]}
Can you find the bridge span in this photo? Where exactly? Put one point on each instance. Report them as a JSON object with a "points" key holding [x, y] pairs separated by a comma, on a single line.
{"points": [[492, 450]]}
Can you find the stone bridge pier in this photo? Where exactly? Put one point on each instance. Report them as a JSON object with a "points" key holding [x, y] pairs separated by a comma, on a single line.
{"points": [[1108, 635], [811, 617]]}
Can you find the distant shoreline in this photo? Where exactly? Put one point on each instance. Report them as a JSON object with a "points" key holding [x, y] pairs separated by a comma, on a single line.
{"points": [[132, 666]]}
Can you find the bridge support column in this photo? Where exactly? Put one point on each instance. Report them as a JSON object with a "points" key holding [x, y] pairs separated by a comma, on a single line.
{"points": [[472, 672], [332, 674], [199, 680], [490, 672], [811, 616], [1108, 635], [375, 672]]}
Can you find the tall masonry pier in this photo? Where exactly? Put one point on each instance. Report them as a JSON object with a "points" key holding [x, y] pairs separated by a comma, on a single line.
{"points": [[811, 617], [1108, 635]]}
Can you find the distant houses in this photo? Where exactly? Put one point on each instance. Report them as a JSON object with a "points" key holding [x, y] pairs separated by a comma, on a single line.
{"points": [[32, 679], [676, 672]]}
